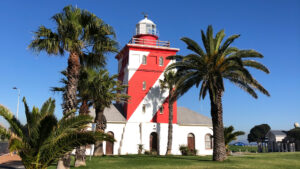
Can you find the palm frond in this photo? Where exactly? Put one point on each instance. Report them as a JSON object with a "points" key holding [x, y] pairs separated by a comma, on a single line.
{"points": [[256, 65], [228, 42], [13, 122], [193, 46]]}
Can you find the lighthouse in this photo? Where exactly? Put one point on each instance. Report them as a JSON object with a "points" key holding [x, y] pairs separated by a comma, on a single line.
{"points": [[141, 124], [142, 63]]}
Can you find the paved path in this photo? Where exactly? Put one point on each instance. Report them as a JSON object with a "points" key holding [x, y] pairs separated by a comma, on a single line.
{"points": [[8, 161]]}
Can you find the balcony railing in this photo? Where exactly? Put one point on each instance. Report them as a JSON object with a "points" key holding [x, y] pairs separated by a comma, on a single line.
{"points": [[150, 42]]}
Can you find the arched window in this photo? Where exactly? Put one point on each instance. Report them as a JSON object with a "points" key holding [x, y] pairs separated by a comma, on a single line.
{"points": [[144, 60], [208, 141], [161, 110], [144, 108], [161, 61], [144, 85]]}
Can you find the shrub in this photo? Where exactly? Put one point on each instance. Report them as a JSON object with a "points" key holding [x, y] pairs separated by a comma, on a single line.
{"points": [[183, 149], [140, 148], [251, 149], [44, 138]]}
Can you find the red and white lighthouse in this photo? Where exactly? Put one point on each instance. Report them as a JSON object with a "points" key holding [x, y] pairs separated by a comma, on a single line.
{"points": [[142, 123], [141, 64]]}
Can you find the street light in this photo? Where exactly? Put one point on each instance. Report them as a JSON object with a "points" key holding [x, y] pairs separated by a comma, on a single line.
{"points": [[15, 88]]}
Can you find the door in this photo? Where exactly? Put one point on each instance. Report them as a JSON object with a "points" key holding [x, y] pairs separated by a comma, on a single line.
{"points": [[191, 141], [110, 145], [153, 142]]}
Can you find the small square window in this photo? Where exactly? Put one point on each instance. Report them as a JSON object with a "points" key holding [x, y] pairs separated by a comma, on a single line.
{"points": [[161, 110], [144, 108]]}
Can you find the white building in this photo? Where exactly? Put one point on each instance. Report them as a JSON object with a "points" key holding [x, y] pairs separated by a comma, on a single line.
{"points": [[144, 119]]}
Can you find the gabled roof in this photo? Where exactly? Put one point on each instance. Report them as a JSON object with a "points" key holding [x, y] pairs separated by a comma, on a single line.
{"points": [[112, 113], [278, 132], [186, 116]]}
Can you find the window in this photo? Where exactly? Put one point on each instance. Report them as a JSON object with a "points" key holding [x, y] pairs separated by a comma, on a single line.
{"points": [[144, 108], [148, 28], [208, 141], [144, 60], [161, 61], [161, 110], [144, 85]]}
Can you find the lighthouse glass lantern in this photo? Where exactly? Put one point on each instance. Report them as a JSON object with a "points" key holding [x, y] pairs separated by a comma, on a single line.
{"points": [[146, 26]]}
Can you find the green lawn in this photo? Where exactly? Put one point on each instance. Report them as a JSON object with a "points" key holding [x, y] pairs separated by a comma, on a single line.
{"points": [[256, 161]]}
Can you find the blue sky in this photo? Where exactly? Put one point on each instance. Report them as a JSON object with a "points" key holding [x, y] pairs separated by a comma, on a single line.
{"points": [[270, 27]]}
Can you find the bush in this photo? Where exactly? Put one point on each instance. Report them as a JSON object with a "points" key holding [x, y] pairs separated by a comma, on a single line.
{"points": [[185, 150], [146, 152], [140, 148], [252, 149]]}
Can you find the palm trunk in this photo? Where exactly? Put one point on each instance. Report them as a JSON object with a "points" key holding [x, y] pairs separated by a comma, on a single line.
{"points": [[170, 127], [80, 156], [100, 126], [70, 100], [219, 150], [80, 151]]}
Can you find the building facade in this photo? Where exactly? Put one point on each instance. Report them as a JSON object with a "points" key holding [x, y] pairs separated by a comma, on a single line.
{"points": [[143, 120]]}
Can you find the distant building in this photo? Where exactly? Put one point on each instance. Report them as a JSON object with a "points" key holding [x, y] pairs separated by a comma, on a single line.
{"points": [[279, 142]]}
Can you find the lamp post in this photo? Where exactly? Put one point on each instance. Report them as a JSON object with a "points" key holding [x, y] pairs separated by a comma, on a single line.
{"points": [[15, 88]]}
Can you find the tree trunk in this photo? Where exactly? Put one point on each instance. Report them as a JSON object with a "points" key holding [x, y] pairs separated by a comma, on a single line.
{"points": [[64, 162], [80, 156], [70, 98], [80, 151], [219, 150], [100, 126], [170, 127]]}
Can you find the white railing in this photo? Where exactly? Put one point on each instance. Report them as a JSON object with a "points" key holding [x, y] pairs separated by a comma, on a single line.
{"points": [[149, 42]]}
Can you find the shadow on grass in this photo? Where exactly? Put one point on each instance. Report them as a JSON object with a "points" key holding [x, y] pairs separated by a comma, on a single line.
{"points": [[169, 157]]}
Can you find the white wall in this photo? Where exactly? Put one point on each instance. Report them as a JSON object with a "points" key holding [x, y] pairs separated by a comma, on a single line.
{"points": [[132, 137]]}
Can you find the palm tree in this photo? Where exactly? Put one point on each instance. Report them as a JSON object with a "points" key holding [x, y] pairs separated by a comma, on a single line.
{"points": [[84, 99], [168, 83], [229, 135], [104, 89], [83, 35], [44, 139], [209, 68]]}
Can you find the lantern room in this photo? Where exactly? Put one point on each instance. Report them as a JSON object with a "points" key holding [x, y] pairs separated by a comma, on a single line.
{"points": [[146, 26]]}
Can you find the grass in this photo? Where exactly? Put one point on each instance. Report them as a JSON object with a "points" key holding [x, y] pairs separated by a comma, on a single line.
{"points": [[249, 161]]}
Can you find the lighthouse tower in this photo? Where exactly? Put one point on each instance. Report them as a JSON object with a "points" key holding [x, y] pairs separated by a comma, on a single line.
{"points": [[142, 63]]}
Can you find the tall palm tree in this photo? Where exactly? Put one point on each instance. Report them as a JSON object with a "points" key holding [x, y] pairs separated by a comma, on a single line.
{"points": [[85, 102], [81, 34], [104, 90], [168, 83], [209, 68], [230, 136], [44, 139]]}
